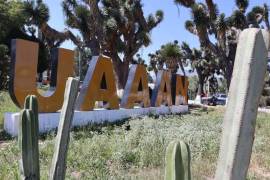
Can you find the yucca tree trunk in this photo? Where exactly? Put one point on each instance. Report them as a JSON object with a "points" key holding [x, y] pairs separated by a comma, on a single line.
{"points": [[228, 75], [200, 87], [229, 63], [201, 82], [182, 68], [98, 24], [171, 64], [121, 69]]}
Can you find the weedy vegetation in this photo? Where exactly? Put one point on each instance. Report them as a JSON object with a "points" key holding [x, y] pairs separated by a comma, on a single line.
{"points": [[6, 105], [135, 148]]}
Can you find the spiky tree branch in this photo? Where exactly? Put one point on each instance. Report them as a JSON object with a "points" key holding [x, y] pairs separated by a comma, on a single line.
{"points": [[207, 21], [112, 27], [38, 14]]}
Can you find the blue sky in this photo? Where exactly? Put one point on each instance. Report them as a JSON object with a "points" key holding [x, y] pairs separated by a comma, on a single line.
{"points": [[170, 29]]}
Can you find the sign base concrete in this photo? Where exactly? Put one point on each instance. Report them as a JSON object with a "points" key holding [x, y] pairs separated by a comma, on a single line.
{"points": [[49, 121]]}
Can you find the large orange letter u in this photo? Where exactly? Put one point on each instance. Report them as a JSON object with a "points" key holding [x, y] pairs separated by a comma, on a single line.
{"points": [[24, 70]]}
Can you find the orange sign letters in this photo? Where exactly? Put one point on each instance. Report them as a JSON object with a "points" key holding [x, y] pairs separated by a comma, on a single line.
{"points": [[136, 89], [99, 83]]}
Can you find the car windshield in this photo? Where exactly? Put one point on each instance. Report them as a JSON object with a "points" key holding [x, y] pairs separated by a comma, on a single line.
{"points": [[223, 96]]}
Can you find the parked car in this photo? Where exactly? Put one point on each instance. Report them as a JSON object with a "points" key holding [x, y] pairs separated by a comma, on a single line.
{"points": [[217, 99], [221, 99], [211, 101]]}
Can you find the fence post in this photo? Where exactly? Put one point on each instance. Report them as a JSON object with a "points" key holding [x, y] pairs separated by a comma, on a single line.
{"points": [[58, 167], [241, 112]]}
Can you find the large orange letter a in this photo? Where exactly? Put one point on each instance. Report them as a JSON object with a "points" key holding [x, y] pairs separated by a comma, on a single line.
{"points": [[100, 73]]}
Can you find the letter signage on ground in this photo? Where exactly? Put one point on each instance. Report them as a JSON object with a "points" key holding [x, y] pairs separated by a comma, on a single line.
{"points": [[99, 83]]}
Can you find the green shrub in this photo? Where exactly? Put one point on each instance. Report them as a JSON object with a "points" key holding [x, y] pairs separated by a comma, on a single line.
{"points": [[6, 105]]}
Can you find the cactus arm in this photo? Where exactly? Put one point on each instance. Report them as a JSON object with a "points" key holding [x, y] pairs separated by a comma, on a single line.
{"points": [[35, 135], [28, 140], [31, 103], [170, 163], [185, 154], [58, 167], [177, 161], [26, 145]]}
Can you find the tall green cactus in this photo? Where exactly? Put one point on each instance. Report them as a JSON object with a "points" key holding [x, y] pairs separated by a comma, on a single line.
{"points": [[29, 131], [177, 161], [28, 139]]}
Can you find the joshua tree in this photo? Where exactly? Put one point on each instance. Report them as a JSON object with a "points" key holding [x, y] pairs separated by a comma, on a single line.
{"points": [[10, 26], [37, 16], [156, 63], [138, 60], [203, 62], [170, 55], [14, 26], [111, 28], [207, 21]]}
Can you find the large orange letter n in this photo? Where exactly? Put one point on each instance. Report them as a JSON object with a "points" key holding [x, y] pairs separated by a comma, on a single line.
{"points": [[100, 73], [24, 56], [181, 90]]}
